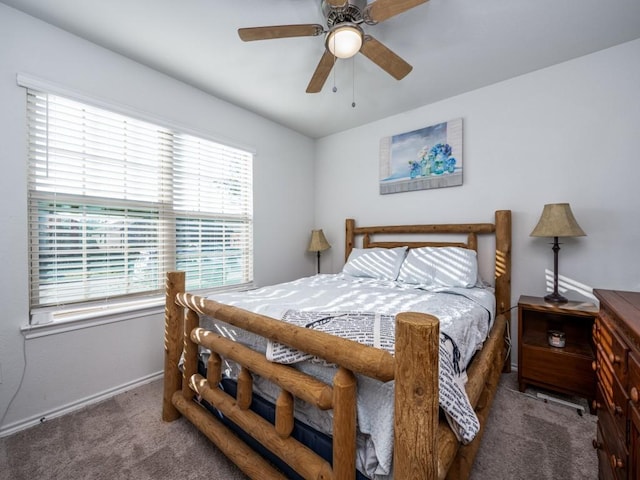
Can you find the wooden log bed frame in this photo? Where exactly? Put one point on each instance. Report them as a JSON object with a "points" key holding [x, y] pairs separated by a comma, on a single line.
{"points": [[424, 445]]}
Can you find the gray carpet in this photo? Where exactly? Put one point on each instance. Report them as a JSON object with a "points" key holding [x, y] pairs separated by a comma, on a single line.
{"points": [[527, 438], [124, 438]]}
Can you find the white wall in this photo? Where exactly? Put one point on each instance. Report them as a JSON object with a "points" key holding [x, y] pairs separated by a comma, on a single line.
{"points": [[569, 133], [65, 369]]}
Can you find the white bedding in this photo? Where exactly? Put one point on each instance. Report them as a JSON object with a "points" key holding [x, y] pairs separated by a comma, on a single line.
{"points": [[465, 316]]}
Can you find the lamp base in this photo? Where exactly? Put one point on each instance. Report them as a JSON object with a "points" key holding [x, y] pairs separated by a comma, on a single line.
{"points": [[555, 297]]}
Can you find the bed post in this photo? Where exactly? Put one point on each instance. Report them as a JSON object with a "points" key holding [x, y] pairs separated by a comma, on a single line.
{"points": [[503, 275], [416, 396], [173, 340], [349, 236]]}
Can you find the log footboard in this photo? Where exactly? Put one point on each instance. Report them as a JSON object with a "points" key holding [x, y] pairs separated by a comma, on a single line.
{"points": [[423, 446], [416, 388]]}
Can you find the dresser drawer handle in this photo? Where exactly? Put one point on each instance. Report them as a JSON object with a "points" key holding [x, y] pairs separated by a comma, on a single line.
{"points": [[595, 366], [595, 406], [634, 395], [614, 359], [616, 462], [596, 444]]}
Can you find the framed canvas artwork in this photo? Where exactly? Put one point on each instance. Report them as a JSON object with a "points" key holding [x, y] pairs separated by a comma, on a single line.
{"points": [[430, 157]]}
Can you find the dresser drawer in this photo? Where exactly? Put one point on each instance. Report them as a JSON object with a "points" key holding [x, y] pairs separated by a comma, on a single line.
{"points": [[616, 436], [612, 346], [613, 443], [633, 386], [634, 414], [606, 471], [619, 407], [634, 443], [604, 375]]}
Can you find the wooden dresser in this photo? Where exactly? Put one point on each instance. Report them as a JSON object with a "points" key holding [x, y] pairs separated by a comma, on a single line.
{"points": [[616, 334]]}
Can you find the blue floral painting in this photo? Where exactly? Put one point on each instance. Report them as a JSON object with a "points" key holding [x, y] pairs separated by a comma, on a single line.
{"points": [[430, 157]]}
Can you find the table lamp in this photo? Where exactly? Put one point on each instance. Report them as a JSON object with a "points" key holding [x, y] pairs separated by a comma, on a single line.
{"points": [[318, 244], [557, 220]]}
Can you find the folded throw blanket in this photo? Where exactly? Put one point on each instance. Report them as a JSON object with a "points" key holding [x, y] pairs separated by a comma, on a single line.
{"points": [[376, 330]]}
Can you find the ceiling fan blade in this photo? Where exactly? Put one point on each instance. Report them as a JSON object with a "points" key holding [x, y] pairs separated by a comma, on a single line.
{"points": [[381, 10], [322, 72], [385, 58], [280, 31]]}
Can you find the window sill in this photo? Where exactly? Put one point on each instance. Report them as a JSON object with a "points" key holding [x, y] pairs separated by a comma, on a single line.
{"points": [[92, 317], [52, 321]]}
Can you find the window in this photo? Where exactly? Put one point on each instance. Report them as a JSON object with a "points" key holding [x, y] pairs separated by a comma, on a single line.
{"points": [[115, 202]]}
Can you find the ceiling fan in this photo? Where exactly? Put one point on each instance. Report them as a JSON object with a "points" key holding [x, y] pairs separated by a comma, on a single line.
{"points": [[345, 36]]}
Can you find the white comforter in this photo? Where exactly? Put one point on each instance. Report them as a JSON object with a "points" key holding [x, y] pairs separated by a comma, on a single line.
{"points": [[465, 317]]}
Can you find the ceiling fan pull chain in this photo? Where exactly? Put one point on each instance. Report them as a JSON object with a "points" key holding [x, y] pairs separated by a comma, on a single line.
{"points": [[353, 82], [334, 89]]}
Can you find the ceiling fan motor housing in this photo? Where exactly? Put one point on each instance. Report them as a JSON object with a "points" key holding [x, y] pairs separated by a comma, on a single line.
{"points": [[351, 12]]}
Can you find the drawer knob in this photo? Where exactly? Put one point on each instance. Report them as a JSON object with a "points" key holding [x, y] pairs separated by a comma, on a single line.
{"points": [[634, 395], [617, 409], [594, 366], [616, 462], [614, 359], [596, 444], [595, 405]]}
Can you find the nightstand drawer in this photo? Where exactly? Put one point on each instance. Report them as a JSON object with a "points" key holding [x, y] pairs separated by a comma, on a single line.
{"points": [[565, 372]]}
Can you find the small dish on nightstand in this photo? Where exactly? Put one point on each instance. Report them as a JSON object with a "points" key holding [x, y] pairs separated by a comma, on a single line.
{"points": [[556, 338]]}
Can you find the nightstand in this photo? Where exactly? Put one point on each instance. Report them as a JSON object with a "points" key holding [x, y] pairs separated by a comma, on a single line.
{"points": [[564, 369]]}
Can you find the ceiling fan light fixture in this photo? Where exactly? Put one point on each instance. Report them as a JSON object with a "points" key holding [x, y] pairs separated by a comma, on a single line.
{"points": [[344, 40]]}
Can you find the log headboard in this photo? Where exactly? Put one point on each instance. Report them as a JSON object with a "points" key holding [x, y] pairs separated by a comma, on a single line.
{"points": [[501, 228]]}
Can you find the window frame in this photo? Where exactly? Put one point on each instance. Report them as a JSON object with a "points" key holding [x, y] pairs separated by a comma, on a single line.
{"points": [[141, 301]]}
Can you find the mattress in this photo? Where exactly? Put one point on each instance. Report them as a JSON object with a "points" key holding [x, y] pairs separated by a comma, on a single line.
{"points": [[465, 315]]}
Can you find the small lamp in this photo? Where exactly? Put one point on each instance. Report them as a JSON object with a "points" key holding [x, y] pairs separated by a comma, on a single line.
{"points": [[557, 220], [318, 244]]}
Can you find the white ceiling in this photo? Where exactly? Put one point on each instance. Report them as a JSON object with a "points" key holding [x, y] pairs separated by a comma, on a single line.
{"points": [[454, 46]]}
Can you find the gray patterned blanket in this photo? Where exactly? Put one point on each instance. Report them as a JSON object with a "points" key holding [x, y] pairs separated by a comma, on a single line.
{"points": [[377, 330]]}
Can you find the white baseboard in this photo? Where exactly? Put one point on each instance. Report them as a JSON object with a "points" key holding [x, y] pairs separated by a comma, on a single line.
{"points": [[77, 405]]}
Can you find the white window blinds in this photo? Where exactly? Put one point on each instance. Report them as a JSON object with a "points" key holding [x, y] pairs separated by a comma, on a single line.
{"points": [[115, 202]]}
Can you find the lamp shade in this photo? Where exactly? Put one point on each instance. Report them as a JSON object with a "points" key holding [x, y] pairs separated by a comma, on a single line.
{"points": [[318, 242], [557, 220], [344, 40]]}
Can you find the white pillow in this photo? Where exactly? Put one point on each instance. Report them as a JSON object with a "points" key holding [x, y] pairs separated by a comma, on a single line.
{"points": [[381, 263], [440, 266]]}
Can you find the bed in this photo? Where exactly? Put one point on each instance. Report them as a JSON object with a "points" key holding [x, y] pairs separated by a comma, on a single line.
{"points": [[307, 363]]}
